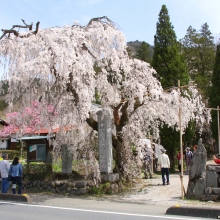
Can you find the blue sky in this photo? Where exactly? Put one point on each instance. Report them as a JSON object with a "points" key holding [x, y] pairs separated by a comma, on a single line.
{"points": [[136, 18]]}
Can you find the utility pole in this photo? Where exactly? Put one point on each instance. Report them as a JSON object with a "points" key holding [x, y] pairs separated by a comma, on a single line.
{"points": [[181, 145], [218, 130]]}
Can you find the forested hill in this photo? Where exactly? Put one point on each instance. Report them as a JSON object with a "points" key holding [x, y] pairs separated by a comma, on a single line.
{"points": [[134, 46]]}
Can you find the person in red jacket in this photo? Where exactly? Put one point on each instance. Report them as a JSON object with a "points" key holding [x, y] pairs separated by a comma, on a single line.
{"points": [[217, 160], [179, 160]]}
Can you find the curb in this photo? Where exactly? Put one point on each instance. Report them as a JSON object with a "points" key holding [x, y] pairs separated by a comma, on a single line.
{"points": [[15, 197], [194, 211]]}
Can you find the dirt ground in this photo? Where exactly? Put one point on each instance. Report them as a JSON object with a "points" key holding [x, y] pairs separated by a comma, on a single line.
{"points": [[151, 191]]}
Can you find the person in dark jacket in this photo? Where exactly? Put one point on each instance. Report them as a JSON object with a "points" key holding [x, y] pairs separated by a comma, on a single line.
{"points": [[16, 173]]}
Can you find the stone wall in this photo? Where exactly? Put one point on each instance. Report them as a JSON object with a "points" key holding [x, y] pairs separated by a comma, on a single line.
{"points": [[63, 187]]}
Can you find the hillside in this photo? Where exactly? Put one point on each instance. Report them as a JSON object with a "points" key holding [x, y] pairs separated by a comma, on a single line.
{"points": [[135, 45]]}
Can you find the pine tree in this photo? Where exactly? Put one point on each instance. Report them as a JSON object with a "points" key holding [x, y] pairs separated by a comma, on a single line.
{"points": [[167, 59], [144, 52], [214, 97]]}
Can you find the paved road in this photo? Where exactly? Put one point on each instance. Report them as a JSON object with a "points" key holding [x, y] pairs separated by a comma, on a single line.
{"points": [[95, 203], [20, 211]]}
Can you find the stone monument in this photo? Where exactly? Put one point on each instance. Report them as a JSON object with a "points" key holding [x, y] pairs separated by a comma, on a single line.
{"points": [[67, 159], [105, 145], [197, 173]]}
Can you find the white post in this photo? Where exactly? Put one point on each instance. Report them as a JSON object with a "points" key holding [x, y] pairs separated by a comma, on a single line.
{"points": [[218, 130], [181, 145], [21, 149]]}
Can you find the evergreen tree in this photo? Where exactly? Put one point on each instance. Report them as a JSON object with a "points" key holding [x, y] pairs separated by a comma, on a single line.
{"points": [[199, 51], [214, 97], [167, 59], [171, 66], [189, 47], [144, 52]]}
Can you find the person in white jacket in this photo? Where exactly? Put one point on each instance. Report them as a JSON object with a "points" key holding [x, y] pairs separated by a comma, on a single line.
{"points": [[164, 163], [4, 169]]}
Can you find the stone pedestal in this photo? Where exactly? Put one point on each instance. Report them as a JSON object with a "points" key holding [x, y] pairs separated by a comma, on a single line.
{"points": [[112, 177], [212, 175]]}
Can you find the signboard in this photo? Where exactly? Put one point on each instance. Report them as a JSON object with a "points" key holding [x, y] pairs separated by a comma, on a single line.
{"points": [[37, 150]]}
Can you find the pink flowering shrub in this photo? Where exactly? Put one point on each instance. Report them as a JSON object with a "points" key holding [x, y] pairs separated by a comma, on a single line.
{"points": [[30, 119]]}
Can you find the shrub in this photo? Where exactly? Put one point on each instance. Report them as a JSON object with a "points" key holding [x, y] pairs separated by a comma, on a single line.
{"points": [[11, 153], [101, 189], [37, 171]]}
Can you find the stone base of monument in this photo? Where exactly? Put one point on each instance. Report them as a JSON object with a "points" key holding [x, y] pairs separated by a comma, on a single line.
{"points": [[111, 177], [212, 190], [209, 197], [212, 175]]}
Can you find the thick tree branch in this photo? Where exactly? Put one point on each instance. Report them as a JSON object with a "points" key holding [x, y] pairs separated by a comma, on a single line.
{"points": [[30, 26], [84, 47], [17, 34], [124, 117], [116, 114], [92, 123]]}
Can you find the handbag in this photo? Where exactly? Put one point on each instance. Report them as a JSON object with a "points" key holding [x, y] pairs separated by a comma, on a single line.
{"points": [[9, 177]]}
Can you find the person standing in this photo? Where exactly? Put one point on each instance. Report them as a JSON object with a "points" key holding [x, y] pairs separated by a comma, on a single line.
{"points": [[188, 158], [147, 160], [217, 160], [195, 148], [179, 161], [164, 163], [4, 170], [16, 173]]}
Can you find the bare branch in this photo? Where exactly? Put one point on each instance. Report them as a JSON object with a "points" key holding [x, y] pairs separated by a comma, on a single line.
{"points": [[30, 26], [16, 33], [10, 31], [37, 27]]}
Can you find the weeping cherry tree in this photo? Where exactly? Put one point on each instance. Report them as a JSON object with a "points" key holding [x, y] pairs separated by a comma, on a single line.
{"points": [[66, 66]]}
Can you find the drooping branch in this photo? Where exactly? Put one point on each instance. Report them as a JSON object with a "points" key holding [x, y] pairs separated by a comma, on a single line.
{"points": [[17, 34], [104, 20]]}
